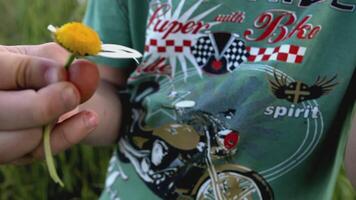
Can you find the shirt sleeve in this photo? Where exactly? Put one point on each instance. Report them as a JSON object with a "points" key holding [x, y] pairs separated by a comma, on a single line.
{"points": [[110, 19]]}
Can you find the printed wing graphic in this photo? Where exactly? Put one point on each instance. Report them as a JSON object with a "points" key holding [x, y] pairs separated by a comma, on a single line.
{"points": [[321, 87], [298, 91]]}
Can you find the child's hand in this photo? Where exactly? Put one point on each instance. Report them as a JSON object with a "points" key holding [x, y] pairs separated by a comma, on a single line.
{"points": [[34, 91]]}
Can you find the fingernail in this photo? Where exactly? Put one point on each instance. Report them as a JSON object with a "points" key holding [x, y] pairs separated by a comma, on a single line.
{"points": [[51, 75], [70, 98], [91, 120]]}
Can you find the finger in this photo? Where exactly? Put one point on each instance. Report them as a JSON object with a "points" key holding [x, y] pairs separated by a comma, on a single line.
{"points": [[16, 144], [30, 109], [26, 72], [69, 133], [84, 75], [51, 51]]}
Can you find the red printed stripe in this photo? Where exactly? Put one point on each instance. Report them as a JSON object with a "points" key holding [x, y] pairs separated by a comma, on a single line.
{"points": [[284, 53]]}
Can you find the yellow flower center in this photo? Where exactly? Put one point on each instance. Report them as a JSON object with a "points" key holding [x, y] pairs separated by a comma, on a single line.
{"points": [[78, 39]]}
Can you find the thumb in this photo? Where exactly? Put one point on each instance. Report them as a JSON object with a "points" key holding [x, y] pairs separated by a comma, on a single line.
{"points": [[85, 76]]}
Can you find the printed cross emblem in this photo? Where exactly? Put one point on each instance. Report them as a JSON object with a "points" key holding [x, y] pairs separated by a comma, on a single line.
{"points": [[297, 91]]}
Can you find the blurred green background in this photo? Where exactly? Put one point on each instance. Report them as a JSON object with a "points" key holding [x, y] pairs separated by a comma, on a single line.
{"points": [[82, 168], [24, 21]]}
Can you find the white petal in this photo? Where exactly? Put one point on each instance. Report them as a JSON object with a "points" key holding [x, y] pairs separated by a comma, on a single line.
{"points": [[118, 51], [52, 28]]}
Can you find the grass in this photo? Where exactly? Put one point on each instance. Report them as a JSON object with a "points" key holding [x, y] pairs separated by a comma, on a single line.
{"points": [[82, 168], [26, 21]]}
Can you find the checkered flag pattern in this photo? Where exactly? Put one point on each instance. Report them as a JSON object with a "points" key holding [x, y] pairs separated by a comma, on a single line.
{"points": [[236, 54], [203, 50], [164, 46], [286, 53]]}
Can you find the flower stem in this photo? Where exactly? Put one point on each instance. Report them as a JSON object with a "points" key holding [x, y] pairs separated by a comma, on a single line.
{"points": [[48, 155], [46, 139], [69, 61]]}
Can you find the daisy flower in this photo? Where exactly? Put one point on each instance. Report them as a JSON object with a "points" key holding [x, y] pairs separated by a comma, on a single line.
{"points": [[80, 40]]}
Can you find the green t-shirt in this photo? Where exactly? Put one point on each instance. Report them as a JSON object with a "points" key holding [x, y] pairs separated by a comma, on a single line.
{"points": [[233, 99]]}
